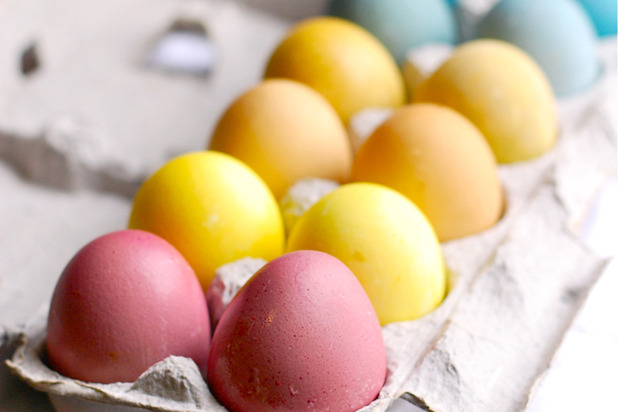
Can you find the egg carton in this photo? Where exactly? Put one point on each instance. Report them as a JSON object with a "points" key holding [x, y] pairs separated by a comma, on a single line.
{"points": [[514, 291]]}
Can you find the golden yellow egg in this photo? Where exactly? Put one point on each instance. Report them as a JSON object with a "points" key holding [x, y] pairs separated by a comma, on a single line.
{"points": [[439, 160], [285, 131], [342, 61], [387, 243]]}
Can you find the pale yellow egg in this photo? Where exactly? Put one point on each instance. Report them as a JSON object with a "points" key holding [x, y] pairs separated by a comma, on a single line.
{"points": [[503, 92]]}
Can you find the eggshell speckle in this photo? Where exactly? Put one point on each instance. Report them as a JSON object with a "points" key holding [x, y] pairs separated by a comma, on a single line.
{"points": [[126, 301], [301, 335], [557, 34]]}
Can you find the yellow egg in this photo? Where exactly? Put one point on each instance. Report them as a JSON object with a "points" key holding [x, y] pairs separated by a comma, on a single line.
{"points": [[285, 131], [439, 160], [341, 60], [503, 92], [213, 208], [387, 243]]}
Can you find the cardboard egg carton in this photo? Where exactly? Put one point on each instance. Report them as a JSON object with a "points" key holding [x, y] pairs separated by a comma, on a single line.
{"points": [[514, 288]]}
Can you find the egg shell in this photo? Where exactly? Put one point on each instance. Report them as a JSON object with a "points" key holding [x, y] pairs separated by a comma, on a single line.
{"points": [[301, 335], [126, 301], [341, 60], [557, 34], [385, 240], [503, 92], [401, 24], [213, 208], [604, 14], [285, 131], [440, 161]]}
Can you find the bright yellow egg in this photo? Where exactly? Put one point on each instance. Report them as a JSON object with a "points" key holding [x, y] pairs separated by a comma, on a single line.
{"points": [[387, 243], [213, 208], [341, 60], [285, 131], [503, 92], [439, 160]]}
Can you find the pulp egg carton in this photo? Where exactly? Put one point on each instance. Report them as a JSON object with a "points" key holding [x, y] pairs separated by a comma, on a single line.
{"points": [[514, 290]]}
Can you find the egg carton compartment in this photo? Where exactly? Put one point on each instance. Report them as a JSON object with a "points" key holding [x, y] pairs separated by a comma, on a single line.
{"points": [[515, 290]]}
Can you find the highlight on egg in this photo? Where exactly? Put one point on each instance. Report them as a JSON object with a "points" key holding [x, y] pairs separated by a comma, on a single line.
{"points": [[441, 162], [385, 240], [300, 335], [126, 300], [285, 131], [501, 89]]}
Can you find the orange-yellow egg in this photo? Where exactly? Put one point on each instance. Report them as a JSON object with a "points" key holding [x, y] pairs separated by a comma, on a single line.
{"points": [[439, 160], [343, 61], [285, 131]]}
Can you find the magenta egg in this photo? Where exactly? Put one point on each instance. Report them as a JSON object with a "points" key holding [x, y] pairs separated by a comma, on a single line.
{"points": [[125, 301], [300, 335]]}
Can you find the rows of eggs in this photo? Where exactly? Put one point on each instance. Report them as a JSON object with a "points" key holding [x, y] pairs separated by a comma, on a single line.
{"points": [[304, 331]]}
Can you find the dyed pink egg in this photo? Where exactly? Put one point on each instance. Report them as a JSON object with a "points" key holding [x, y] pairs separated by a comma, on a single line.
{"points": [[300, 335], [125, 301]]}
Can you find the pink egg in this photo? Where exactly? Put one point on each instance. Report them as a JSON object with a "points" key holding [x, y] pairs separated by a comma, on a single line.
{"points": [[300, 335], [125, 301]]}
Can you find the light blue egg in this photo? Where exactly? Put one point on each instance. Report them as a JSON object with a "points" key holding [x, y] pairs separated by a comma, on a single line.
{"points": [[400, 24], [604, 14], [558, 34]]}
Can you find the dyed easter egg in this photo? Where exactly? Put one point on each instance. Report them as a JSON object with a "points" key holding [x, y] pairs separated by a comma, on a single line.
{"points": [[300, 335]]}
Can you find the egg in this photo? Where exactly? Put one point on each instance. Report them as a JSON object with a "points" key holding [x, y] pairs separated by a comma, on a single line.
{"points": [[300, 335], [125, 301], [604, 15], [285, 131], [503, 92], [385, 240], [401, 24], [213, 208], [342, 61], [557, 34], [440, 161]]}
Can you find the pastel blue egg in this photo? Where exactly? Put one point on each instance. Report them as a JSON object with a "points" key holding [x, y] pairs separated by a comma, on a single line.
{"points": [[400, 24], [558, 34], [604, 14]]}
